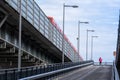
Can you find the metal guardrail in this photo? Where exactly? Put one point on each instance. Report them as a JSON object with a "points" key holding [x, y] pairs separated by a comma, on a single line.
{"points": [[14, 74], [103, 63], [53, 72], [115, 72]]}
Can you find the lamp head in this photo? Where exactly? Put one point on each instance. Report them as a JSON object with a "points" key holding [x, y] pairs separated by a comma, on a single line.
{"points": [[92, 30], [83, 22], [86, 22], [75, 6], [95, 36]]}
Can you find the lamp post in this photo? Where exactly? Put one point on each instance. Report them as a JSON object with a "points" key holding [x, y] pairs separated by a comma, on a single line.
{"points": [[92, 45], [20, 31], [78, 38], [73, 6], [87, 42]]}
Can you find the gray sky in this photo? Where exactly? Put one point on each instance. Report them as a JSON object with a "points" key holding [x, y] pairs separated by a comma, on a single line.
{"points": [[102, 17]]}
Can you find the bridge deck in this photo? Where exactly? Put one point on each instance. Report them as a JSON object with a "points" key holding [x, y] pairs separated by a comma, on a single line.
{"points": [[88, 73]]}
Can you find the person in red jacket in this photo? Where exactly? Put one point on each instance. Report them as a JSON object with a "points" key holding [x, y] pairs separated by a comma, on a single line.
{"points": [[100, 60]]}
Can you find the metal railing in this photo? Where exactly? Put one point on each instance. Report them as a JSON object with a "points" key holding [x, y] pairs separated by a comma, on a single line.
{"points": [[115, 72], [53, 73], [14, 74], [103, 63]]}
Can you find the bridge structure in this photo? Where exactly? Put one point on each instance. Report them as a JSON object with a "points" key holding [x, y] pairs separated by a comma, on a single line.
{"points": [[41, 40], [41, 48]]}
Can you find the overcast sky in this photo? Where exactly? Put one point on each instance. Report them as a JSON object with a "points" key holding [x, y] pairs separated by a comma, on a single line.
{"points": [[102, 15]]}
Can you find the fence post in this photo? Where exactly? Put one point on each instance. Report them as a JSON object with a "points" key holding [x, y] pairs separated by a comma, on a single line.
{"points": [[14, 74], [26, 70], [6, 74], [31, 73], [36, 70]]}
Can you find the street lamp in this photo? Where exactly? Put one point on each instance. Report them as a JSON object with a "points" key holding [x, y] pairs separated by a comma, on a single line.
{"points": [[20, 32], [78, 38], [73, 6], [87, 42], [92, 45]]}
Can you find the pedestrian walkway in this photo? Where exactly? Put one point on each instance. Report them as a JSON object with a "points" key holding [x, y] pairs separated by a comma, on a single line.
{"points": [[88, 73]]}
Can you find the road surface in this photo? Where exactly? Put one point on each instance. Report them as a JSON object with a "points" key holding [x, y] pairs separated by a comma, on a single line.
{"points": [[88, 73]]}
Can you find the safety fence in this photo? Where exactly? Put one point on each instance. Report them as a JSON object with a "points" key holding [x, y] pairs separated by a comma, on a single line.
{"points": [[14, 74], [103, 63]]}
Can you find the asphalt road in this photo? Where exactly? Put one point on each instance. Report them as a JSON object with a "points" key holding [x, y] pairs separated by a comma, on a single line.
{"points": [[88, 73]]}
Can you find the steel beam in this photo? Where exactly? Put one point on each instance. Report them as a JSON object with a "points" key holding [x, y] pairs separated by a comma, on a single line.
{"points": [[3, 21]]}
